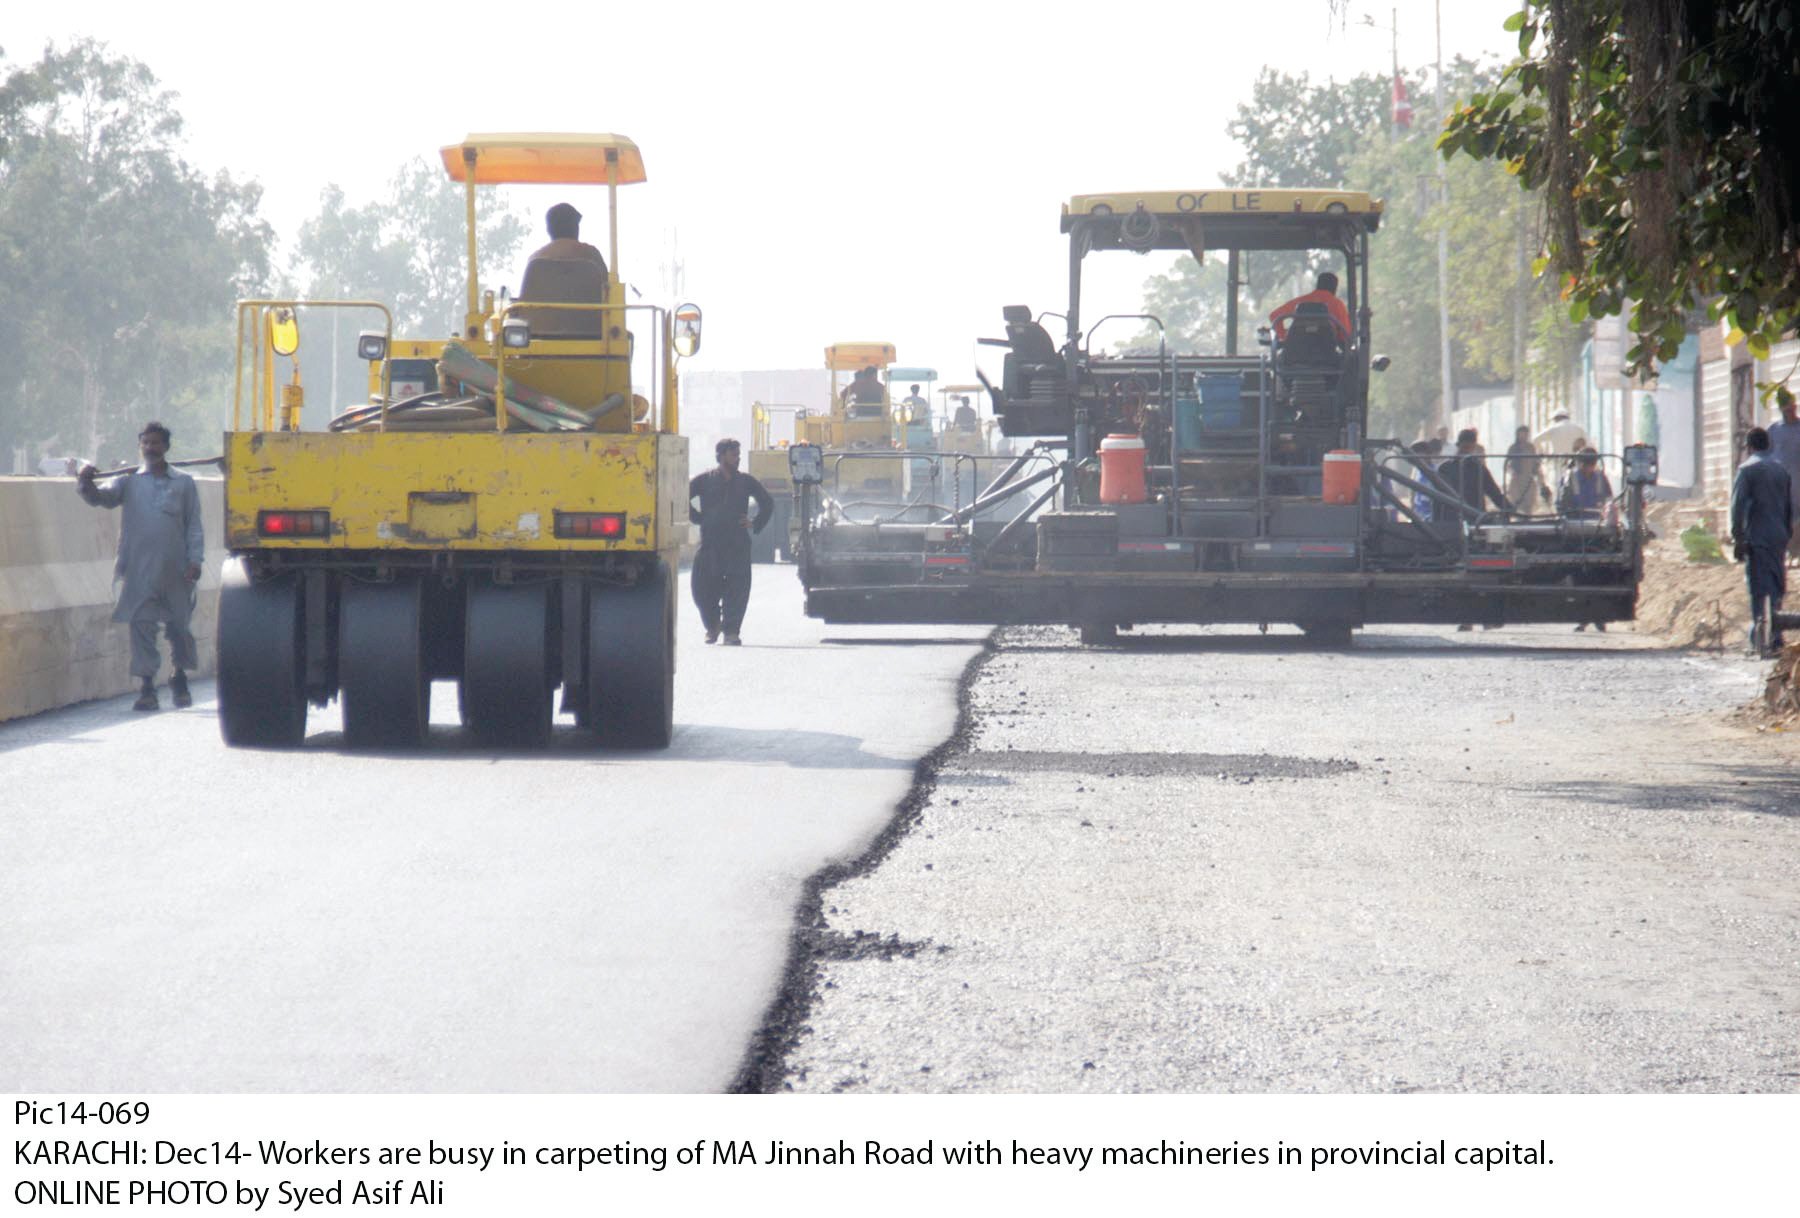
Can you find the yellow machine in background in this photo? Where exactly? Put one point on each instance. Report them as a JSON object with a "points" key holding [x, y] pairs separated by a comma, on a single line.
{"points": [[858, 427], [958, 432], [767, 462], [505, 512]]}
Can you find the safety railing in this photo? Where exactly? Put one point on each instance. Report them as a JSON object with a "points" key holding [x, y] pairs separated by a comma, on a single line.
{"points": [[262, 370]]}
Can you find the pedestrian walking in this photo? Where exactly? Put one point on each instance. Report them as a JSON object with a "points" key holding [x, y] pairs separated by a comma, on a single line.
{"points": [[719, 502], [161, 548], [1762, 525]]}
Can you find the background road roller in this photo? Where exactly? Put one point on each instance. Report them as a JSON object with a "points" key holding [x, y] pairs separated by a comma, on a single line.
{"points": [[505, 512]]}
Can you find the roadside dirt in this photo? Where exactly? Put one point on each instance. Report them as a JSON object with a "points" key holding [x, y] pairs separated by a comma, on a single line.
{"points": [[1703, 605], [1689, 604]]}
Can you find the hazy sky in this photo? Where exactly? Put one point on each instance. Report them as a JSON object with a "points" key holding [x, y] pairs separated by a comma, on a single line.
{"points": [[826, 172]]}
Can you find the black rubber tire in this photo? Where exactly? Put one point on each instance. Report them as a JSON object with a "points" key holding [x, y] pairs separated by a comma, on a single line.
{"points": [[631, 660], [507, 695], [261, 660], [1335, 636], [385, 692], [1098, 634]]}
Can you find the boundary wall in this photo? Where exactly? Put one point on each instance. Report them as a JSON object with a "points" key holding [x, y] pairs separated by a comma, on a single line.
{"points": [[58, 643]]}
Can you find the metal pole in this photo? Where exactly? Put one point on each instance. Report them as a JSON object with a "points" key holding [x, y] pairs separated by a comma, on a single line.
{"points": [[1394, 35], [1521, 290], [1231, 302], [471, 322], [1446, 388]]}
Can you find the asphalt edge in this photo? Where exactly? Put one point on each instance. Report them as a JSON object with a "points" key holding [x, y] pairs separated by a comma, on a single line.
{"points": [[764, 1069]]}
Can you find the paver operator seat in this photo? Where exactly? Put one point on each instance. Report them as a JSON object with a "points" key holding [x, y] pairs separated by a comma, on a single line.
{"points": [[1310, 365]]}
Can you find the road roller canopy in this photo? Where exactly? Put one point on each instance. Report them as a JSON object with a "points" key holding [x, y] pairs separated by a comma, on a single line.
{"points": [[554, 159], [854, 357], [899, 376], [1219, 219]]}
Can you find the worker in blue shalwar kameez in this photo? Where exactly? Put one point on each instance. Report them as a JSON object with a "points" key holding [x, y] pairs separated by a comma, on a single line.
{"points": [[161, 547]]}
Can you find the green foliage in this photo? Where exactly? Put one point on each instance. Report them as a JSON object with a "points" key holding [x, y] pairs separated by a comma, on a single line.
{"points": [[1700, 545], [408, 251], [1656, 134], [120, 259], [1299, 134]]}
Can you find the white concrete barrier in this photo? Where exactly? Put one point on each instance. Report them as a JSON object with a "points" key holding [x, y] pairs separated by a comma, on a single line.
{"points": [[58, 643]]}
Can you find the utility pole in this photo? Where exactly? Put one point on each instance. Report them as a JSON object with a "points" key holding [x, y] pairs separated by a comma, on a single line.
{"points": [[1393, 105], [1521, 291], [1443, 243]]}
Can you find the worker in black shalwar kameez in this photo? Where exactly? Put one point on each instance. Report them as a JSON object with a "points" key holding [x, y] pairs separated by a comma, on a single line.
{"points": [[721, 575]]}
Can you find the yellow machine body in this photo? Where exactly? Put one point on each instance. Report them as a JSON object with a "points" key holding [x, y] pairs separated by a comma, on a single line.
{"points": [[837, 430], [506, 511], [459, 491]]}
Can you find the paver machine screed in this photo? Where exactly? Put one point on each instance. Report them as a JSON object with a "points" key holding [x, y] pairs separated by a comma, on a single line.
{"points": [[505, 512]]}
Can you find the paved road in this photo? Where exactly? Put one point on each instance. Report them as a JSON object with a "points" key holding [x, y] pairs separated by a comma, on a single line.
{"points": [[183, 917], [1519, 861]]}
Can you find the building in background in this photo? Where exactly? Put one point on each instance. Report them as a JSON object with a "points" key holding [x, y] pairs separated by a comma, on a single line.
{"points": [[717, 404]]}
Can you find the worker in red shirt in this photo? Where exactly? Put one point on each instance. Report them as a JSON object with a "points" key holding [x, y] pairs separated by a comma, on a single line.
{"points": [[1325, 293]]}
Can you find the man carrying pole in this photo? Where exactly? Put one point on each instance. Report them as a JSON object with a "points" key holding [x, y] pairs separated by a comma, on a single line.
{"points": [[161, 547]]}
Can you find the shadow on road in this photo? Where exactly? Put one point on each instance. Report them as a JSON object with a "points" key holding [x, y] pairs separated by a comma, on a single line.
{"points": [[806, 750], [693, 742], [1386, 646], [883, 641]]}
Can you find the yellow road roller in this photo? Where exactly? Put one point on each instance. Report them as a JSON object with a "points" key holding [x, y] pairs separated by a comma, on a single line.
{"points": [[505, 511]]}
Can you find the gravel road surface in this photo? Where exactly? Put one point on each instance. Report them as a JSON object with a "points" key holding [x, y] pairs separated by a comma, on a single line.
{"points": [[1526, 860]]}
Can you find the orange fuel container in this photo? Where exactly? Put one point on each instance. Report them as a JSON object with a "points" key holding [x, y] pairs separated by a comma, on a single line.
{"points": [[1122, 470], [1342, 478]]}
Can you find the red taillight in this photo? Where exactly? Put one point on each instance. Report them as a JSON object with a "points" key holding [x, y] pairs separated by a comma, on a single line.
{"points": [[607, 526], [293, 524]]}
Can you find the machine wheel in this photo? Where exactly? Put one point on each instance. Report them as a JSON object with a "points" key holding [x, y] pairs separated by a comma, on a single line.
{"points": [[386, 693], [1097, 633], [1333, 635], [506, 694], [631, 661], [261, 662]]}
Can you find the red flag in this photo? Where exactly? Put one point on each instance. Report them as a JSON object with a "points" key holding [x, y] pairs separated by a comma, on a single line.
{"points": [[1402, 107]]}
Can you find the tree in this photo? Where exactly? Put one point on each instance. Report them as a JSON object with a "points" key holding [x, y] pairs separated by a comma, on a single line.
{"points": [[121, 259], [408, 251], [1297, 134], [1661, 138], [1294, 133]]}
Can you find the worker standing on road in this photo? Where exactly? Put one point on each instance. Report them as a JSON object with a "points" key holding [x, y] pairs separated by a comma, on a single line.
{"points": [[1562, 438], [1784, 450], [1525, 471], [721, 574], [1762, 524], [161, 547], [1468, 474]]}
